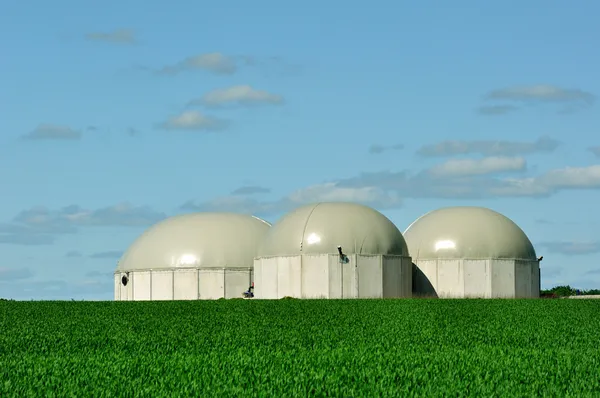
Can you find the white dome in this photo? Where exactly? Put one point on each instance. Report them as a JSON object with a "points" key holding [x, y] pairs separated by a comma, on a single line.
{"points": [[467, 232], [197, 240], [319, 228]]}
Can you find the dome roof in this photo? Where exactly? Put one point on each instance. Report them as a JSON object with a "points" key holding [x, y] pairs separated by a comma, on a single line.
{"points": [[197, 240], [467, 232], [319, 228]]}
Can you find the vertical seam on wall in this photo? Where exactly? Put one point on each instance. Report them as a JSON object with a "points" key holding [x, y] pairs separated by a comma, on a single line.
{"points": [[151, 272], [464, 276], [514, 278], [301, 277], [437, 275], [341, 277], [488, 266], [132, 291], [539, 276], [356, 284], [382, 276]]}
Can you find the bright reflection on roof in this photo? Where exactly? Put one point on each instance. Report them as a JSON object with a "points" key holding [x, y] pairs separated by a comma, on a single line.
{"points": [[444, 244], [313, 238], [187, 259]]}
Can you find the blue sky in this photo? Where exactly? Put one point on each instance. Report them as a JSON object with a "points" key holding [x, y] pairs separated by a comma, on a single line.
{"points": [[117, 115]]}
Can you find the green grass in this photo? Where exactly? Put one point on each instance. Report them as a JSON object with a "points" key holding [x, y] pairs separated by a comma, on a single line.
{"points": [[239, 348]]}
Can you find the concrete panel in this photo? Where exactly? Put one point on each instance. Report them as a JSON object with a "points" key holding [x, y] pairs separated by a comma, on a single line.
{"points": [[257, 277], [126, 292], [370, 276], [451, 282], [481, 278], [288, 277], [350, 278], [296, 263], [425, 278], [140, 281], [185, 284], [407, 277], [503, 278], [523, 279], [392, 277], [336, 285], [535, 291], [527, 284], [211, 284], [162, 285], [323, 276], [266, 275], [477, 279], [117, 286], [315, 276], [295, 276], [236, 282]]}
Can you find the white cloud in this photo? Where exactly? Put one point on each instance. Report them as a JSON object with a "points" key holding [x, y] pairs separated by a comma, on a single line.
{"points": [[568, 178], [215, 62], [489, 147], [236, 204], [573, 177], [518, 187], [471, 167], [53, 132], [240, 95], [541, 93], [193, 121], [595, 150], [120, 36], [466, 179], [40, 225], [331, 192], [327, 192], [426, 184], [571, 248]]}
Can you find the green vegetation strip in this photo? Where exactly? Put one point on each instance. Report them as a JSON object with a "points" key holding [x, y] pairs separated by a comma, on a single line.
{"points": [[245, 348]]}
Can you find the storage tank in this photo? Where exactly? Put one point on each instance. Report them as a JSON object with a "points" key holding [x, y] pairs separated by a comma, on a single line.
{"points": [[300, 257], [471, 252], [191, 256]]}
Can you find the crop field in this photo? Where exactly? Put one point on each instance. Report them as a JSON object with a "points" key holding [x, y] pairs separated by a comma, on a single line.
{"points": [[239, 348]]}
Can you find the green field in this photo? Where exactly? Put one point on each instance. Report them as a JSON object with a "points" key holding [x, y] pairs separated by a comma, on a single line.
{"points": [[241, 348]]}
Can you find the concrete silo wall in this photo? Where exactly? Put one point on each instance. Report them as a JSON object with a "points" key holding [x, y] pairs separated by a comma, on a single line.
{"points": [[476, 278], [324, 276], [183, 284], [397, 276], [527, 270]]}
